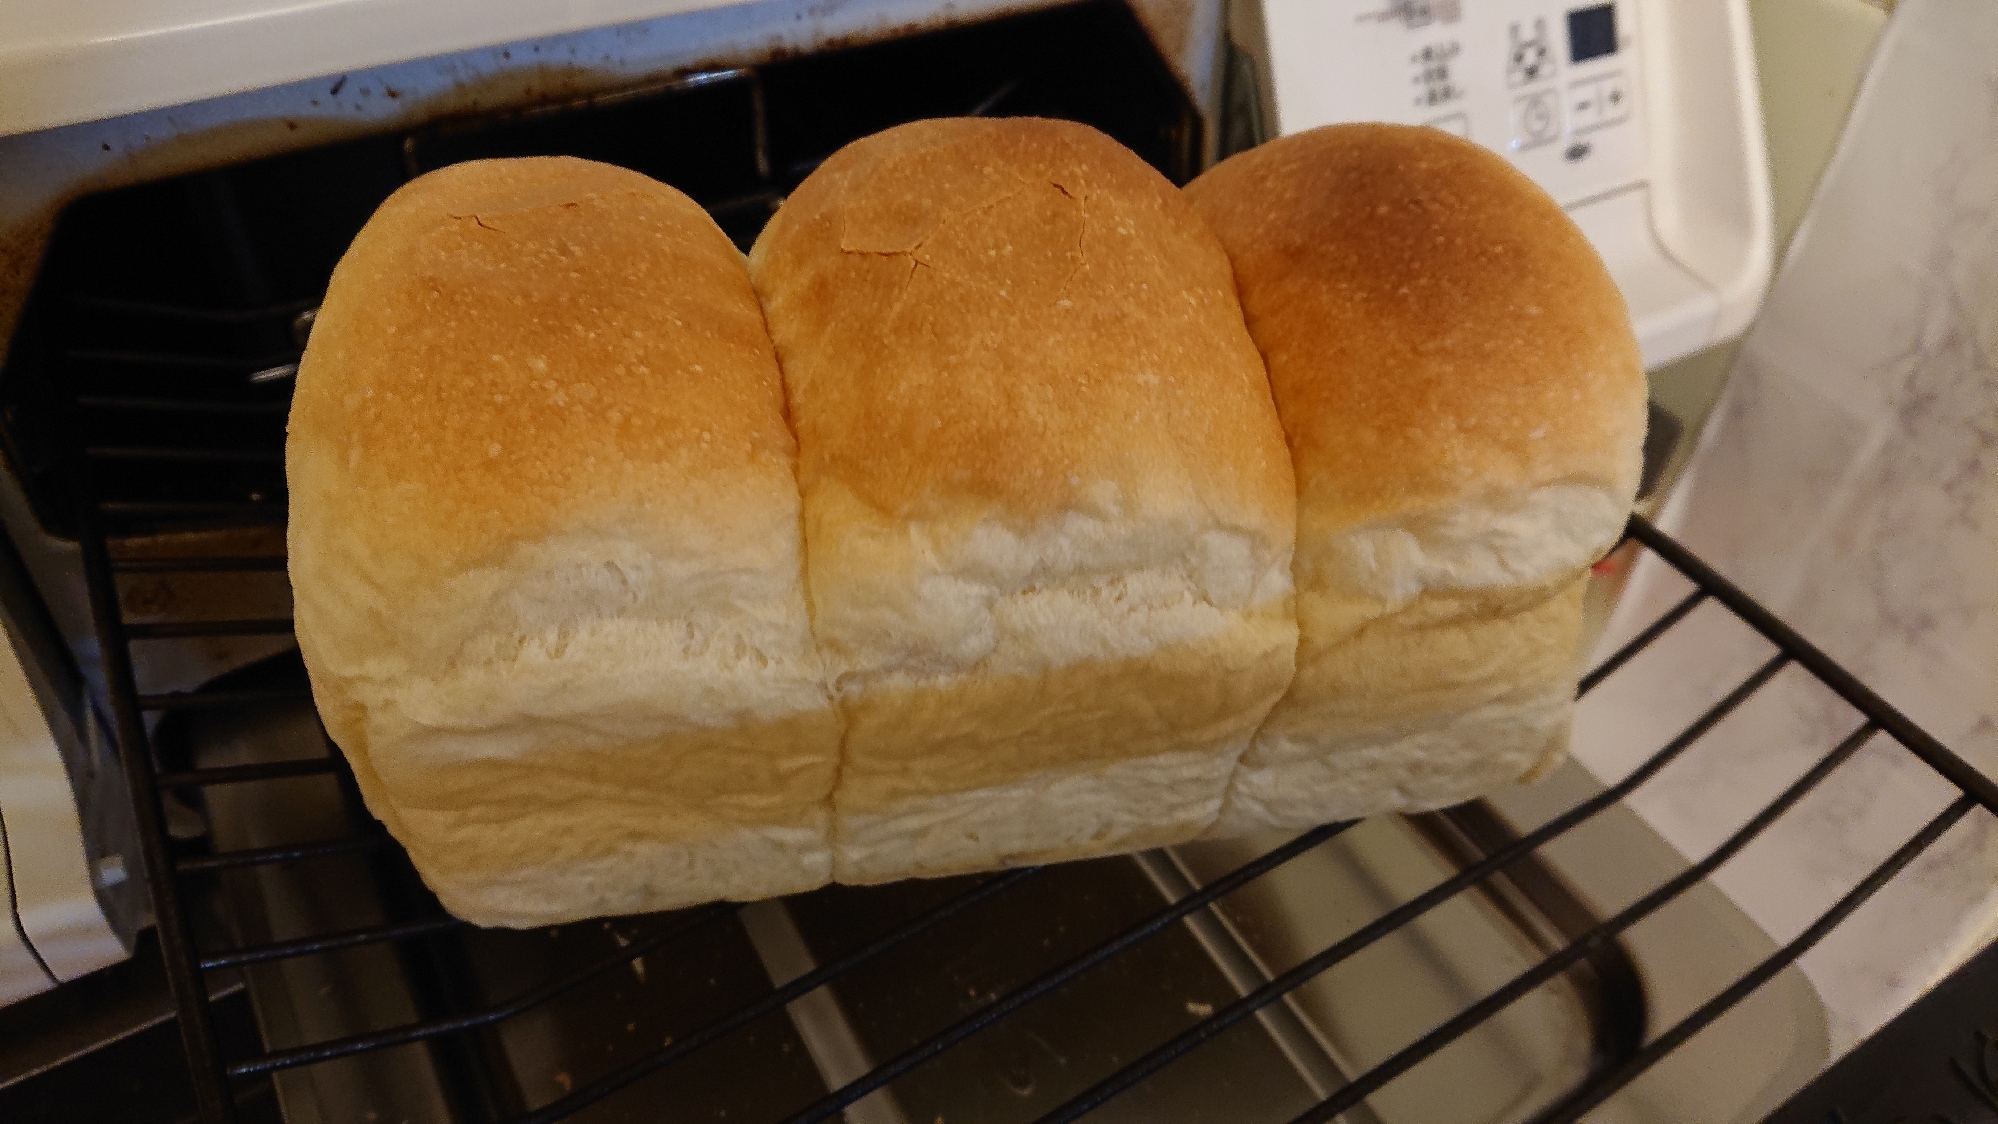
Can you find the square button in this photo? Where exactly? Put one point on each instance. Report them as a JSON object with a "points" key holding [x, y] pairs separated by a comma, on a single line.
{"points": [[1536, 119]]}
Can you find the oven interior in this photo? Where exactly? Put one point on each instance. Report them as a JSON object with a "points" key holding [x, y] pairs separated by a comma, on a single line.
{"points": [[1536, 958]]}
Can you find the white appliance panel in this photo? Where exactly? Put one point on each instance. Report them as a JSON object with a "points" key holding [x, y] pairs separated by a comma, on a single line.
{"points": [[1641, 117]]}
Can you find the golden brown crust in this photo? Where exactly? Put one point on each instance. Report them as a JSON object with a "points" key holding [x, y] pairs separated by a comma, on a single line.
{"points": [[1436, 328], [1045, 491], [538, 341], [1055, 316], [544, 550]]}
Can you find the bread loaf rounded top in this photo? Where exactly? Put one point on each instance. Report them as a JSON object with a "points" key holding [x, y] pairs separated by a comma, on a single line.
{"points": [[1001, 318], [512, 349], [1437, 330]]}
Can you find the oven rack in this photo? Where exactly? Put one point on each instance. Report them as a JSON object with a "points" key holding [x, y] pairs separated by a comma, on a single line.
{"points": [[453, 1021]]}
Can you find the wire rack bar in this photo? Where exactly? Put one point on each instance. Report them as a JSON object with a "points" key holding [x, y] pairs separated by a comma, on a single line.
{"points": [[194, 564], [212, 699], [833, 1103], [330, 942], [417, 1032], [741, 204], [183, 312], [167, 359], [176, 630], [212, 1098], [261, 771], [184, 455], [194, 511], [285, 852], [1640, 642], [180, 405]]}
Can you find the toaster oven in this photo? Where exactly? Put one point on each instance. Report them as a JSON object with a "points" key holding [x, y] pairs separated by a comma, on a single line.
{"points": [[173, 196]]}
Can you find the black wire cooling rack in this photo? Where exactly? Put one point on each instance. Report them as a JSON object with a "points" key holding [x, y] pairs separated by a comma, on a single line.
{"points": [[451, 1020]]}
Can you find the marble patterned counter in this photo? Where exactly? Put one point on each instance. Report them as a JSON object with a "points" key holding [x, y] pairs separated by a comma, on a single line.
{"points": [[1849, 480]]}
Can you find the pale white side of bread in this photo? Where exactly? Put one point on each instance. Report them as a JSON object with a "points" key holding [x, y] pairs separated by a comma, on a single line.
{"points": [[1431, 762], [1519, 539], [1438, 660], [1423, 735], [937, 636], [915, 603], [647, 876], [603, 636], [1149, 801], [609, 673]]}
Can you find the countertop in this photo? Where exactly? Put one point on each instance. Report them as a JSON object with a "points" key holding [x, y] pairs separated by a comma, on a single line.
{"points": [[1848, 479]]}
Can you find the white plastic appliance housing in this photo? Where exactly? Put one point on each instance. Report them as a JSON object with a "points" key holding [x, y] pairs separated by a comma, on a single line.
{"points": [[53, 925], [1640, 116]]}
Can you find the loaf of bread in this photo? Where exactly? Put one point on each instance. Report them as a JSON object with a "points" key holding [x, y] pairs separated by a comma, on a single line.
{"points": [[1464, 403], [1048, 509], [600, 635], [545, 550]]}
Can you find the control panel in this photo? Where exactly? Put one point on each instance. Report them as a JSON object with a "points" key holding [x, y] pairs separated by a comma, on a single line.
{"points": [[1554, 87]]}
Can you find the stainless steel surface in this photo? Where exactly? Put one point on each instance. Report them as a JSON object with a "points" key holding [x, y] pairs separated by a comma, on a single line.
{"points": [[828, 1035], [307, 999], [1284, 1021], [1742, 1067], [1414, 979]]}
